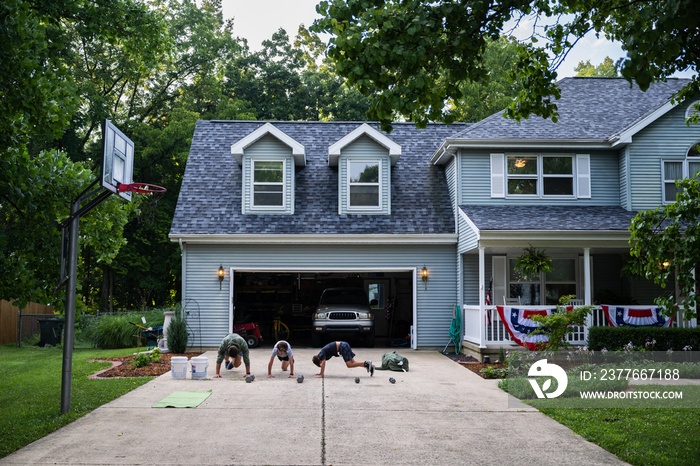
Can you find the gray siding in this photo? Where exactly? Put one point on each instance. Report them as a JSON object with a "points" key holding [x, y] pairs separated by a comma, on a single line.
{"points": [[450, 169], [475, 181], [666, 138], [467, 237], [434, 306], [268, 147], [364, 147], [624, 180], [471, 277]]}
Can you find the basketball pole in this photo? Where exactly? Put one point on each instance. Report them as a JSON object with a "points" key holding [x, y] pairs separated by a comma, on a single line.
{"points": [[72, 223], [68, 335]]}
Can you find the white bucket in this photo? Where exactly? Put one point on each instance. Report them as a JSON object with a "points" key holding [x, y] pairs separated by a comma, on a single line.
{"points": [[178, 367], [199, 367]]}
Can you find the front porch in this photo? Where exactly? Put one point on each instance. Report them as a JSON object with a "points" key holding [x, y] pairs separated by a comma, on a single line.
{"points": [[484, 332]]}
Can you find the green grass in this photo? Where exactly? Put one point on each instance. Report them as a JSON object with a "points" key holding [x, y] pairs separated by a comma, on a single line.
{"points": [[652, 436], [30, 391]]}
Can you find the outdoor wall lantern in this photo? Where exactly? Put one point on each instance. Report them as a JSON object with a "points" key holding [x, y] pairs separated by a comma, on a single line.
{"points": [[221, 275], [424, 275]]}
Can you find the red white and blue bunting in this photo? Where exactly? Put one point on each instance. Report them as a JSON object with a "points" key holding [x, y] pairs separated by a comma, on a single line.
{"points": [[520, 326], [621, 316]]}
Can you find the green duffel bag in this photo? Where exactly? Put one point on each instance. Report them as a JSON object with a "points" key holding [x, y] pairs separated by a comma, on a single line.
{"points": [[393, 362]]}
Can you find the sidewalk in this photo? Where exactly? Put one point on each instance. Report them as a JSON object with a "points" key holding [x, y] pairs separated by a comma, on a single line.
{"points": [[438, 413]]}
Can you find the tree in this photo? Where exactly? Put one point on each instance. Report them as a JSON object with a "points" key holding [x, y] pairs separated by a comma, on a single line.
{"points": [[35, 197], [607, 69], [411, 56], [481, 99], [40, 42], [665, 243]]}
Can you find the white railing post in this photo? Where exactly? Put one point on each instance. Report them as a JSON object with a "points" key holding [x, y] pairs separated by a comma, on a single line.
{"points": [[587, 276], [482, 310]]}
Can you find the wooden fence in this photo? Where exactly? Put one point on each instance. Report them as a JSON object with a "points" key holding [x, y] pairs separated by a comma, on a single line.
{"points": [[8, 320]]}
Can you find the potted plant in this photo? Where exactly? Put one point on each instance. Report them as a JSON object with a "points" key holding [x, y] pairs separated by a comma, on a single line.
{"points": [[533, 261]]}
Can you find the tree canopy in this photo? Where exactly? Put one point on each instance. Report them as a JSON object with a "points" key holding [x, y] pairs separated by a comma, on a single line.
{"points": [[607, 69], [665, 244], [412, 56]]}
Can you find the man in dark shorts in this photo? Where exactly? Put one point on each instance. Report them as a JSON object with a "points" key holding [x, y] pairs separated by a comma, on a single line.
{"points": [[340, 348]]}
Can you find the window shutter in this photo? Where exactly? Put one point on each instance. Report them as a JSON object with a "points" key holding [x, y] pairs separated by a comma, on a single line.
{"points": [[500, 279], [498, 175], [583, 176]]}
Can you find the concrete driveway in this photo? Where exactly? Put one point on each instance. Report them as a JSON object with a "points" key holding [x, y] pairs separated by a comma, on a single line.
{"points": [[438, 413]]}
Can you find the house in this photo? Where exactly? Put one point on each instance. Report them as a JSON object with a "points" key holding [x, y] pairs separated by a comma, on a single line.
{"points": [[286, 209]]}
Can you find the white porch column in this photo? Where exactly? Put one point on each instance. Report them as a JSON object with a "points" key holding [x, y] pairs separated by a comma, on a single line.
{"points": [[587, 276], [482, 303]]}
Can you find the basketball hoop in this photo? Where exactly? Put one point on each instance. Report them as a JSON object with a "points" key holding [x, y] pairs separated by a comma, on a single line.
{"points": [[142, 188]]}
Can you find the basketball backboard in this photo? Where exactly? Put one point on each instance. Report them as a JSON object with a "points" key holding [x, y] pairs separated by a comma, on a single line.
{"points": [[117, 159]]}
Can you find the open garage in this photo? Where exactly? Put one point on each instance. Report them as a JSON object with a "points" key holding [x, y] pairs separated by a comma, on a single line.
{"points": [[262, 297]]}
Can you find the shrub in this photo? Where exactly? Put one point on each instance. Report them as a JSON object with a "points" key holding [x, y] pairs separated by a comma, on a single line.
{"points": [[177, 333], [615, 338], [116, 331], [155, 354], [141, 360]]}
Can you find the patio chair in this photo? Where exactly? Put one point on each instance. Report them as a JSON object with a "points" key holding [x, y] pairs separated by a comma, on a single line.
{"points": [[576, 302], [510, 301]]}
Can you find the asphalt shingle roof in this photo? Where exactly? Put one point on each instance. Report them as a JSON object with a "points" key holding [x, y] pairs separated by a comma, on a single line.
{"points": [[549, 218], [589, 108], [210, 196]]}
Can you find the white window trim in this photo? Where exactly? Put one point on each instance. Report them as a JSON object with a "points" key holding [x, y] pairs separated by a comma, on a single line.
{"points": [[540, 176], [541, 281], [686, 169], [349, 206], [690, 111], [253, 206]]}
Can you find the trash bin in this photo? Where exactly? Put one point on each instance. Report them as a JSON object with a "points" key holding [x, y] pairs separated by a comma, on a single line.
{"points": [[50, 331]]}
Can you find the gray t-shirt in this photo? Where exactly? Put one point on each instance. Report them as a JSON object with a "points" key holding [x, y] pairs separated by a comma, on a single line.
{"points": [[289, 349]]}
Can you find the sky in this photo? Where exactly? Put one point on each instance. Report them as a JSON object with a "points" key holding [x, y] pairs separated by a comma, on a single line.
{"points": [[257, 20]]}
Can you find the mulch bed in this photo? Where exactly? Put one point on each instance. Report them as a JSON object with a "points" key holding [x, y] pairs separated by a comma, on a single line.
{"points": [[123, 366], [473, 364]]}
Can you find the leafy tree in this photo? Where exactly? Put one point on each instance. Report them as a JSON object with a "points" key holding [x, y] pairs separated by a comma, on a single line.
{"points": [[39, 43], [607, 69], [481, 99], [411, 56], [665, 243], [34, 194]]}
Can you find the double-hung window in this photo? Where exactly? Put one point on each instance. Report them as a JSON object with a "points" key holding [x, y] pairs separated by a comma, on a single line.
{"points": [[364, 184], [268, 183], [673, 170], [560, 281], [540, 175]]}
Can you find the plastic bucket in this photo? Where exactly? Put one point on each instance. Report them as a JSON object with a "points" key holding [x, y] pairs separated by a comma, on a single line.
{"points": [[178, 367], [199, 367]]}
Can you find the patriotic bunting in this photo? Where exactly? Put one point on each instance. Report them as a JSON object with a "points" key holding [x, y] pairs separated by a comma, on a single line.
{"points": [[520, 325], [621, 316]]}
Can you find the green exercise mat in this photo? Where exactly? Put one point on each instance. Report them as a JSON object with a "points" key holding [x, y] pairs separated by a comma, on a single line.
{"points": [[189, 399]]}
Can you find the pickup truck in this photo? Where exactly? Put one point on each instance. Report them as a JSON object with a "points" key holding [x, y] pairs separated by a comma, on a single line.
{"points": [[343, 313]]}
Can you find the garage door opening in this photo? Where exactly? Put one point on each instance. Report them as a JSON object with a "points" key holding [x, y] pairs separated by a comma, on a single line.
{"points": [[293, 297]]}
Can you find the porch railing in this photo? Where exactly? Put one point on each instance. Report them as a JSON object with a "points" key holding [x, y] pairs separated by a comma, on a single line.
{"points": [[495, 334]]}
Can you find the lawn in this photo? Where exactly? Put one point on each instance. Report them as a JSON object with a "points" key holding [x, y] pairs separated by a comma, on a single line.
{"points": [[30, 391], [652, 436]]}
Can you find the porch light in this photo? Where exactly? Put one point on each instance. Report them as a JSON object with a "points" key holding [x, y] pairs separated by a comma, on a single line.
{"points": [[519, 163], [424, 276], [221, 275]]}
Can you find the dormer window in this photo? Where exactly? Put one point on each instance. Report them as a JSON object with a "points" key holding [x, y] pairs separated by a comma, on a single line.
{"points": [[268, 158], [363, 184], [364, 158], [268, 183]]}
